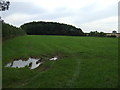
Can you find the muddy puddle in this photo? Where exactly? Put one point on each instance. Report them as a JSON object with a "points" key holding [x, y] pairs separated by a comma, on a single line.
{"points": [[32, 63]]}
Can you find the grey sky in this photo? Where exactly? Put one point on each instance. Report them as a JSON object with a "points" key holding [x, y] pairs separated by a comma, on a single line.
{"points": [[89, 15]]}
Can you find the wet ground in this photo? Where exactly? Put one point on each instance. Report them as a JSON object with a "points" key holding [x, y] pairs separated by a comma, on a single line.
{"points": [[32, 63]]}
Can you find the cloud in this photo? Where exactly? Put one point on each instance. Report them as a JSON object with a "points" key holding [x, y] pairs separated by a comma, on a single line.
{"points": [[105, 25], [19, 18], [85, 14], [23, 7], [52, 4]]}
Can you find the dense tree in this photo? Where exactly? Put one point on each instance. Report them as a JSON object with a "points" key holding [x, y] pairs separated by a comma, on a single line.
{"points": [[9, 31], [4, 5], [92, 33], [97, 34], [51, 28], [102, 34]]}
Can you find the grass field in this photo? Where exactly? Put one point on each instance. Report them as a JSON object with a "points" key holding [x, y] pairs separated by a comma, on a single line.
{"points": [[84, 62]]}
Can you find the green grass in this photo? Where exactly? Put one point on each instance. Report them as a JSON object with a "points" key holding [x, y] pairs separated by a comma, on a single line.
{"points": [[85, 62]]}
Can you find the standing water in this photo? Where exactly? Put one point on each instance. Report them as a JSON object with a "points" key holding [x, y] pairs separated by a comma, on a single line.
{"points": [[31, 62]]}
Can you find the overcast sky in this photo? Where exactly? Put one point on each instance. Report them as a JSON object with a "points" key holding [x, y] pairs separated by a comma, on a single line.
{"points": [[89, 15]]}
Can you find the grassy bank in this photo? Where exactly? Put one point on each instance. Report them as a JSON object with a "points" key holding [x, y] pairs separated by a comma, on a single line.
{"points": [[84, 62]]}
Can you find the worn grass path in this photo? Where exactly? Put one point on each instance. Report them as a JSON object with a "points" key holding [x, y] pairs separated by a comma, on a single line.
{"points": [[84, 62]]}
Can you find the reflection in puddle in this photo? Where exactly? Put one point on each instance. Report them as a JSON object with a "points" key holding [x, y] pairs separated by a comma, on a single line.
{"points": [[31, 62], [54, 58]]}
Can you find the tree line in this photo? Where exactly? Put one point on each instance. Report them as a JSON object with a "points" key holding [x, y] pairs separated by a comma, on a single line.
{"points": [[51, 28], [9, 31], [97, 34]]}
